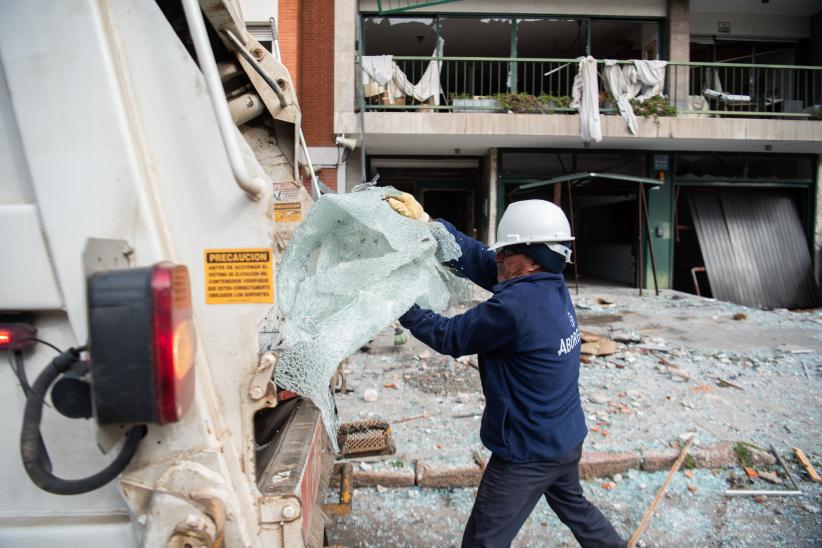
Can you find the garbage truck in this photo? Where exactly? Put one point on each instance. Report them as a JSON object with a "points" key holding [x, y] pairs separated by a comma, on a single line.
{"points": [[150, 178]]}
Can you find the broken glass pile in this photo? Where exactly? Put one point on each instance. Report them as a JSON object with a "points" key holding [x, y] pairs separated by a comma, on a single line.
{"points": [[353, 267]]}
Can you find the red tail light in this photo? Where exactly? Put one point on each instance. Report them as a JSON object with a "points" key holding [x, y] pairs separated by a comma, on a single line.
{"points": [[16, 336], [174, 341], [142, 344]]}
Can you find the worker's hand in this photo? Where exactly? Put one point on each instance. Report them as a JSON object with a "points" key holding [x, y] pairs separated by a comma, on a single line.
{"points": [[407, 206]]}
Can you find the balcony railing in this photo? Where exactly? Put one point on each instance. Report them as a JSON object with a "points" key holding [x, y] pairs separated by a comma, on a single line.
{"points": [[493, 84]]}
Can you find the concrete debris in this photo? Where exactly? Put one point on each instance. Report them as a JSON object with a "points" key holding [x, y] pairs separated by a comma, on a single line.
{"points": [[626, 337], [600, 347], [770, 477], [738, 380]]}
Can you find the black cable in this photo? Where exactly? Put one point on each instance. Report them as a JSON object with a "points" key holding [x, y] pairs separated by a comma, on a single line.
{"points": [[45, 460], [16, 364], [41, 341], [31, 449]]}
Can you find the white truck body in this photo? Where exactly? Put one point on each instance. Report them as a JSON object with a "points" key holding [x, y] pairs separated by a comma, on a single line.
{"points": [[107, 132]]}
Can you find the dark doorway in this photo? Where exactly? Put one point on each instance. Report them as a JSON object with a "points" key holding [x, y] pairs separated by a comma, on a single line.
{"points": [[453, 205], [605, 215], [447, 188], [604, 212], [689, 265]]}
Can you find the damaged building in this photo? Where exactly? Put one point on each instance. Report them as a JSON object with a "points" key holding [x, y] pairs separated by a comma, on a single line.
{"points": [[709, 185]]}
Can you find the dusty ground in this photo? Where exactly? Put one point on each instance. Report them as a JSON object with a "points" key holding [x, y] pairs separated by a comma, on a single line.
{"points": [[753, 379]]}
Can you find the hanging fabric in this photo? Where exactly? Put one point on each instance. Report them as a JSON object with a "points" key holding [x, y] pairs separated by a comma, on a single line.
{"points": [[585, 95]]}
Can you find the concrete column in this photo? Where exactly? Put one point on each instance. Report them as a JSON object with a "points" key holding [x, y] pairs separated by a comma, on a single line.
{"points": [[353, 171], [345, 55], [679, 49], [491, 196], [817, 243]]}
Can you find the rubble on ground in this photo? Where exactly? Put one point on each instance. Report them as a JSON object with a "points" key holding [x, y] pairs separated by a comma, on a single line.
{"points": [[679, 364]]}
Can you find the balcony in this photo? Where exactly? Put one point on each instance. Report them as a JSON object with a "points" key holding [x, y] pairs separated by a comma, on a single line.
{"points": [[544, 86]]}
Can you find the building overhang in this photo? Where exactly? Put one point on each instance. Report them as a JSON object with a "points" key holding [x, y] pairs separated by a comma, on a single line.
{"points": [[435, 133]]}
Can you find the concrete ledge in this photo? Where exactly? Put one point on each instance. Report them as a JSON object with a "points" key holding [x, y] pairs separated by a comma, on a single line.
{"points": [[468, 476], [371, 478], [659, 459], [596, 464], [435, 132], [717, 455]]}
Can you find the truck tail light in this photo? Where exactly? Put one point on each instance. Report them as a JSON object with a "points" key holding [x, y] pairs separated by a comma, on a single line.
{"points": [[142, 344], [16, 336], [174, 341]]}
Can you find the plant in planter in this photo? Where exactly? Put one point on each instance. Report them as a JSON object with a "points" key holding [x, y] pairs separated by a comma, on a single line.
{"points": [[654, 107], [519, 102], [549, 103]]}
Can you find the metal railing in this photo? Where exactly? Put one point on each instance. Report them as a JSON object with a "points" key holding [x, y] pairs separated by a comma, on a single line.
{"points": [[543, 85]]}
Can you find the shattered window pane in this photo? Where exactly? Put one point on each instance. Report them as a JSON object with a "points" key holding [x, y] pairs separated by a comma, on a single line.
{"points": [[399, 36], [352, 267], [475, 37]]}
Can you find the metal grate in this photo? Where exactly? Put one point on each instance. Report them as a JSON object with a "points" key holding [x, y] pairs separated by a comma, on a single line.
{"points": [[367, 437]]}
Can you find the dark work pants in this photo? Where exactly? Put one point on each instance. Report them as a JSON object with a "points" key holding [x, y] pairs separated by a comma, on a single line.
{"points": [[509, 491]]}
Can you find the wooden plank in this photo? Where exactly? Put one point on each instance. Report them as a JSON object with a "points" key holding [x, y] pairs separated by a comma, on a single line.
{"points": [[807, 464], [647, 517]]}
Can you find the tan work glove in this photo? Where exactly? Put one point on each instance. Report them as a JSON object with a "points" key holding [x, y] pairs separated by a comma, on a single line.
{"points": [[407, 206]]}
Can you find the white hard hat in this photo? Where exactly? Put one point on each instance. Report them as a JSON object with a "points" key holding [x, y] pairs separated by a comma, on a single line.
{"points": [[532, 221]]}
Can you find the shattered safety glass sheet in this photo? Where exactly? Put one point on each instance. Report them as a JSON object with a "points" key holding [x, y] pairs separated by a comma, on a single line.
{"points": [[353, 266]]}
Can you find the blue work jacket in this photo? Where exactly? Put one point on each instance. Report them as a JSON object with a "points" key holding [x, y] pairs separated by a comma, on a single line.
{"points": [[528, 341]]}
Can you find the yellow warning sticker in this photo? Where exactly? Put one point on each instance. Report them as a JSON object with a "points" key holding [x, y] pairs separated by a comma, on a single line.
{"points": [[236, 276], [285, 212]]}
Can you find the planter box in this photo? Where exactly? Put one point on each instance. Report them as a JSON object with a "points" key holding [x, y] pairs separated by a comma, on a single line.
{"points": [[479, 104]]}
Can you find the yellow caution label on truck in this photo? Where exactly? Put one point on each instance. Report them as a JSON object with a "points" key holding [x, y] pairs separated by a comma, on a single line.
{"points": [[237, 276], [285, 212]]}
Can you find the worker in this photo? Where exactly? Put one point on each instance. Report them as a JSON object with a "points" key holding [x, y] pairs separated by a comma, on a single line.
{"points": [[528, 342]]}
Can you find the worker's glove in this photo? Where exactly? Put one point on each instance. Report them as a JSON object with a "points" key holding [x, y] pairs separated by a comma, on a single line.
{"points": [[407, 206]]}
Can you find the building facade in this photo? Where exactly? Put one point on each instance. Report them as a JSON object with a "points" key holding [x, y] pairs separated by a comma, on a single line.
{"points": [[468, 105]]}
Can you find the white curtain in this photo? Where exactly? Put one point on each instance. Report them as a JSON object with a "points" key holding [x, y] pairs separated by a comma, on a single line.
{"points": [[585, 97], [381, 73], [640, 80]]}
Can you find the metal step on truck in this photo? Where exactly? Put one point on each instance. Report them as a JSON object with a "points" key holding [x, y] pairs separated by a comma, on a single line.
{"points": [[149, 181]]}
